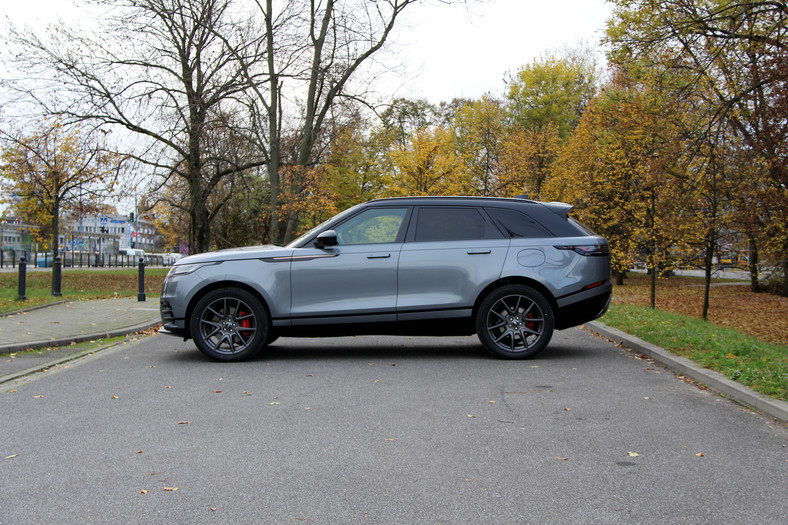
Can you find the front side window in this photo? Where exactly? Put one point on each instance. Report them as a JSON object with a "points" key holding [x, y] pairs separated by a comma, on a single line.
{"points": [[372, 226], [451, 224]]}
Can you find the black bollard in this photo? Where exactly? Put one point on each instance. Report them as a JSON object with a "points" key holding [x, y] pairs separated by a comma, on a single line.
{"points": [[22, 279], [56, 267], [141, 291]]}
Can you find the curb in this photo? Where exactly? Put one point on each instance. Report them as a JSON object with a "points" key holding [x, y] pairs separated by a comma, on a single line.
{"points": [[33, 308], [714, 380], [36, 345]]}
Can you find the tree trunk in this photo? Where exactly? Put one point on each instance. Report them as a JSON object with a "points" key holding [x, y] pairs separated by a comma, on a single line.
{"points": [[55, 235], [785, 278], [755, 285], [708, 259]]}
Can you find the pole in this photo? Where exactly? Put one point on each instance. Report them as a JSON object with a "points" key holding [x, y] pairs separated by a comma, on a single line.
{"points": [[22, 279], [141, 290], [56, 277]]}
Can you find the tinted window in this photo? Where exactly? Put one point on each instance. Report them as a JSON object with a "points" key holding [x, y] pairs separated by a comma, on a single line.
{"points": [[516, 224], [451, 224], [373, 226]]}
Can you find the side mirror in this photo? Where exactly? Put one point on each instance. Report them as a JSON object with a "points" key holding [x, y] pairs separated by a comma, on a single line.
{"points": [[326, 239]]}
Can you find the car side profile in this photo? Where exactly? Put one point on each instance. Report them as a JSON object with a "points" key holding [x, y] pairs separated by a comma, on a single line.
{"points": [[509, 270]]}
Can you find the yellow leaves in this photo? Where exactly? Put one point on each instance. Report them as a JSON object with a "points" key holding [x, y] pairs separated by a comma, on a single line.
{"points": [[633, 454], [428, 165]]}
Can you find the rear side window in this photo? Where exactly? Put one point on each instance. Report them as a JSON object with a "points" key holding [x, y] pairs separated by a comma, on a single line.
{"points": [[517, 225], [452, 224]]}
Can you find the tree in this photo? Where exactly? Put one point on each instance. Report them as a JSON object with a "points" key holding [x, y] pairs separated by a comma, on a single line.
{"points": [[734, 54], [552, 91], [311, 51], [527, 157], [159, 70], [358, 167], [58, 169], [481, 130], [428, 165], [619, 169]]}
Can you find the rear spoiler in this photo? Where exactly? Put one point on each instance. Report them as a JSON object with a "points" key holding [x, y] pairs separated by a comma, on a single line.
{"points": [[559, 208]]}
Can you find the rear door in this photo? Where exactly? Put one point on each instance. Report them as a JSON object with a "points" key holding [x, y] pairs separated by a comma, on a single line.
{"points": [[450, 254]]}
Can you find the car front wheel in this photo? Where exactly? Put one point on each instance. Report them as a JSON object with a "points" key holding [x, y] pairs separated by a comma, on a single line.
{"points": [[514, 322], [230, 324]]}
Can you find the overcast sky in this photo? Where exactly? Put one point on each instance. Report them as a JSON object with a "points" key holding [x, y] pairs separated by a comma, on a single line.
{"points": [[449, 51]]}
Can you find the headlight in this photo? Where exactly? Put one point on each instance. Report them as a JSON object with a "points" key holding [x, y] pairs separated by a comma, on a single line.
{"points": [[185, 269]]}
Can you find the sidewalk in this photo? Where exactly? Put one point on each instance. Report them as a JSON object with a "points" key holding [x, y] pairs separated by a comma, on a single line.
{"points": [[60, 324]]}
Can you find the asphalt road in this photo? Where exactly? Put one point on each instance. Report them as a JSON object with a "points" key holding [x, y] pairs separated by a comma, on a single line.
{"points": [[382, 430]]}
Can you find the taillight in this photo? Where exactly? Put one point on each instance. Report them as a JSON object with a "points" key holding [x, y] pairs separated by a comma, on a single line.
{"points": [[587, 250]]}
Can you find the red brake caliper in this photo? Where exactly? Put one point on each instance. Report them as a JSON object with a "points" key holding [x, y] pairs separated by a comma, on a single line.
{"points": [[530, 326], [245, 323]]}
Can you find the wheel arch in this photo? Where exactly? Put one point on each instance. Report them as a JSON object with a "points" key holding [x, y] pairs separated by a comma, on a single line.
{"points": [[215, 286], [532, 283]]}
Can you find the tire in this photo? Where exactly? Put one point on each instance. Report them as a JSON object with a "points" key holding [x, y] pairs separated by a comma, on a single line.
{"points": [[230, 324], [514, 322]]}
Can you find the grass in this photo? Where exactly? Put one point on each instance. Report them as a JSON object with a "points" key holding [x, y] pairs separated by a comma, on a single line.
{"points": [[744, 339], [756, 364], [76, 285]]}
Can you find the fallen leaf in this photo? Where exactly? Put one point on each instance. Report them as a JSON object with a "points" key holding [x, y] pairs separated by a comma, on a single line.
{"points": [[170, 489], [37, 397], [389, 439], [213, 509], [491, 402], [701, 455], [567, 409], [471, 415], [11, 456], [138, 452], [274, 403], [562, 459], [184, 422], [217, 391], [114, 397], [143, 491], [633, 454]]}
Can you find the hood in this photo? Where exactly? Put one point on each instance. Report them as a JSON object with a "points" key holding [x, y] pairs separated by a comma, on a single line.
{"points": [[236, 254]]}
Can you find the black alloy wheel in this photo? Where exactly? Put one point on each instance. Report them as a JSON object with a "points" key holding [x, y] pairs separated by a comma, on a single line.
{"points": [[515, 322], [230, 324]]}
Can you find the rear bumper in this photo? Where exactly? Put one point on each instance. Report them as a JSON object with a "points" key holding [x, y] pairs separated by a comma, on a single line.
{"points": [[586, 309]]}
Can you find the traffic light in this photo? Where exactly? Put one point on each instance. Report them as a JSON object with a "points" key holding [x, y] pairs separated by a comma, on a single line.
{"points": [[131, 217]]}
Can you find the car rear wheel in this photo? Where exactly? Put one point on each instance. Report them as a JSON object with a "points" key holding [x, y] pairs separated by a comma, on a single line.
{"points": [[514, 322], [230, 324]]}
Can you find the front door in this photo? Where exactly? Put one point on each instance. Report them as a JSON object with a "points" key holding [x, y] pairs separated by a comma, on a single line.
{"points": [[357, 278]]}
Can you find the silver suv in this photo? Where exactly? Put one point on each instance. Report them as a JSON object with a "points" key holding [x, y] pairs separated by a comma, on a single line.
{"points": [[509, 270]]}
